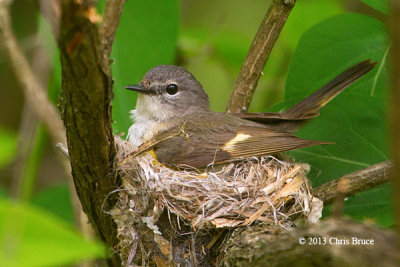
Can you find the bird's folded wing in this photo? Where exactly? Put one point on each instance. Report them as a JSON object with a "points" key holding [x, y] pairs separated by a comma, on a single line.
{"points": [[201, 149]]}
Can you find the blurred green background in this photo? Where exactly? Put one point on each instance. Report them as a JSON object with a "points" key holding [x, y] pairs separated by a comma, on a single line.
{"points": [[211, 39]]}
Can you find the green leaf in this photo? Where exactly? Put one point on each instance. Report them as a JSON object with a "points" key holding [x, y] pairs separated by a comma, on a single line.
{"points": [[354, 120], [31, 237], [3, 192], [376, 200], [304, 15], [8, 146], [48, 42], [146, 37], [57, 200], [29, 172], [380, 5]]}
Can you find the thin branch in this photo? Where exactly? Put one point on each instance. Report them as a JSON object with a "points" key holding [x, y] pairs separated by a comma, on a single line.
{"points": [[30, 128], [258, 54], [108, 27], [52, 11], [356, 181], [26, 134], [38, 101], [33, 90]]}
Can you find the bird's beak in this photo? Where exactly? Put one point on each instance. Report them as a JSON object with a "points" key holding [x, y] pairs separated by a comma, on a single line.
{"points": [[139, 88]]}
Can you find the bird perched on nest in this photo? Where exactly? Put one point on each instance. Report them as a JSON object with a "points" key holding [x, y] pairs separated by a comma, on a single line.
{"points": [[172, 111]]}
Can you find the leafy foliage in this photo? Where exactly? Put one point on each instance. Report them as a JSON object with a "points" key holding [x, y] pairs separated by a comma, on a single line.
{"points": [[146, 38], [8, 145], [214, 54], [56, 199], [354, 120], [32, 237], [380, 5]]}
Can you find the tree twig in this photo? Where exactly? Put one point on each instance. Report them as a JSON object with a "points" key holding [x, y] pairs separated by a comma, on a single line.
{"points": [[26, 134], [108, 27], [36, 96], [33, 90], [258, 54], [30, 127], [358, 181]]}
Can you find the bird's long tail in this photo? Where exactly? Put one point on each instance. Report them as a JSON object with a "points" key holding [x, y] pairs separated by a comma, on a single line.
{"points": [[310, 106], [291, 119]]}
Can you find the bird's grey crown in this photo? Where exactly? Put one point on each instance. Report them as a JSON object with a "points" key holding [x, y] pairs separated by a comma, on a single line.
{"points": [[162, 73], [191, 92]]}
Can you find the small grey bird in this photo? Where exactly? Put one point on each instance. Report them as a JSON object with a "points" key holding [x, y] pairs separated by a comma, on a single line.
{"points": [[173, 109]]}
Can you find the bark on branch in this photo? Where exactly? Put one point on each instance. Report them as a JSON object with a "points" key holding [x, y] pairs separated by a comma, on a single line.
{"points": [[258, 54], [86, 108], [358, 181], [328, 243], [109, 25]]}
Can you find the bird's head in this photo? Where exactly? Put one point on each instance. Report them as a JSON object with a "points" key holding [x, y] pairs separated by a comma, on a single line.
{"points": [[167, 92]]}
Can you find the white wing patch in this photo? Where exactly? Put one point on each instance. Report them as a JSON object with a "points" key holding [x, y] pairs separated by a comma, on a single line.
{"points": [[240, 137]]}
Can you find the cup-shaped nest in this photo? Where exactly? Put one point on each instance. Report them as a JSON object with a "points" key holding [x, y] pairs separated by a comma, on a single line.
{"points": [[265, 189]]}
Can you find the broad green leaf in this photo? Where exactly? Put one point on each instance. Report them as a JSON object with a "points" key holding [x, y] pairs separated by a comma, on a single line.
{"points": [[8, 146], [375, 199], [3, 192], [47, 41], [215, 81], [354, 120], [30, 236], [57, 200], [214, 58], [229, 47], [146, 37], [29, 172], [304, 15], [380, 5]]}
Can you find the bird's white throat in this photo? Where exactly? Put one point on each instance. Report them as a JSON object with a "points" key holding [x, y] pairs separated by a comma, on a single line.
{"points": [[141, 129], [148, 119]]}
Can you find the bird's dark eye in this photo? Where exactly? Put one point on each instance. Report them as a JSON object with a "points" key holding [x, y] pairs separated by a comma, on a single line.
{"points": [[172, 89]]}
